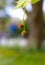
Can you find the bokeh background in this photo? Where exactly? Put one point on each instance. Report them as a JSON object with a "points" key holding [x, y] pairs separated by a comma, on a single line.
{"points": [[12, 42], [9, 20]]}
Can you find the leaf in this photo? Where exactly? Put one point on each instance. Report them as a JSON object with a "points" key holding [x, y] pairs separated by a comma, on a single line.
{"points": [[35, 1], [23, 3], [26, 3]]}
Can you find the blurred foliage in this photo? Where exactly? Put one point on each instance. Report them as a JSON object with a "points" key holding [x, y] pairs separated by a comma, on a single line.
{"points": [[24, 3], [2, 4]]}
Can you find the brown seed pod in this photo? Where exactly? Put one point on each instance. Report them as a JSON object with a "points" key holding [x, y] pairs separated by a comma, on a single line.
{"points": [[20, 26], [24, 33]]}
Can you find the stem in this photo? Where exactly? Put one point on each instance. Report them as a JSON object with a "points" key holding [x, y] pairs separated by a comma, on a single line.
{"points": [[23, 19]]}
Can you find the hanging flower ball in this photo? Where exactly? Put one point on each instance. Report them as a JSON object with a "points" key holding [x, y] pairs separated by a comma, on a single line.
{"points": [[20, 26], [24, 33]]}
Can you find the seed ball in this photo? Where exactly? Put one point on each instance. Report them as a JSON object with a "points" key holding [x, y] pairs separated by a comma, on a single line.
{"points": [[24, 33], [20, 26]]}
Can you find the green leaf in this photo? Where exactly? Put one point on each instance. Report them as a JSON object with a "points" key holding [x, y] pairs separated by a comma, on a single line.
{"points": [[23, 3], [20, 3], [35, 1]]}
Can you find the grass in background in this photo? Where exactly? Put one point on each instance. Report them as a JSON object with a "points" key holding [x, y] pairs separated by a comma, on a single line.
{"points": [[13, 56]]}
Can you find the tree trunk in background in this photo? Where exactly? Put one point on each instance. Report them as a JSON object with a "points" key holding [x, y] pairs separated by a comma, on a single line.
{"points": [[36, 26]]}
